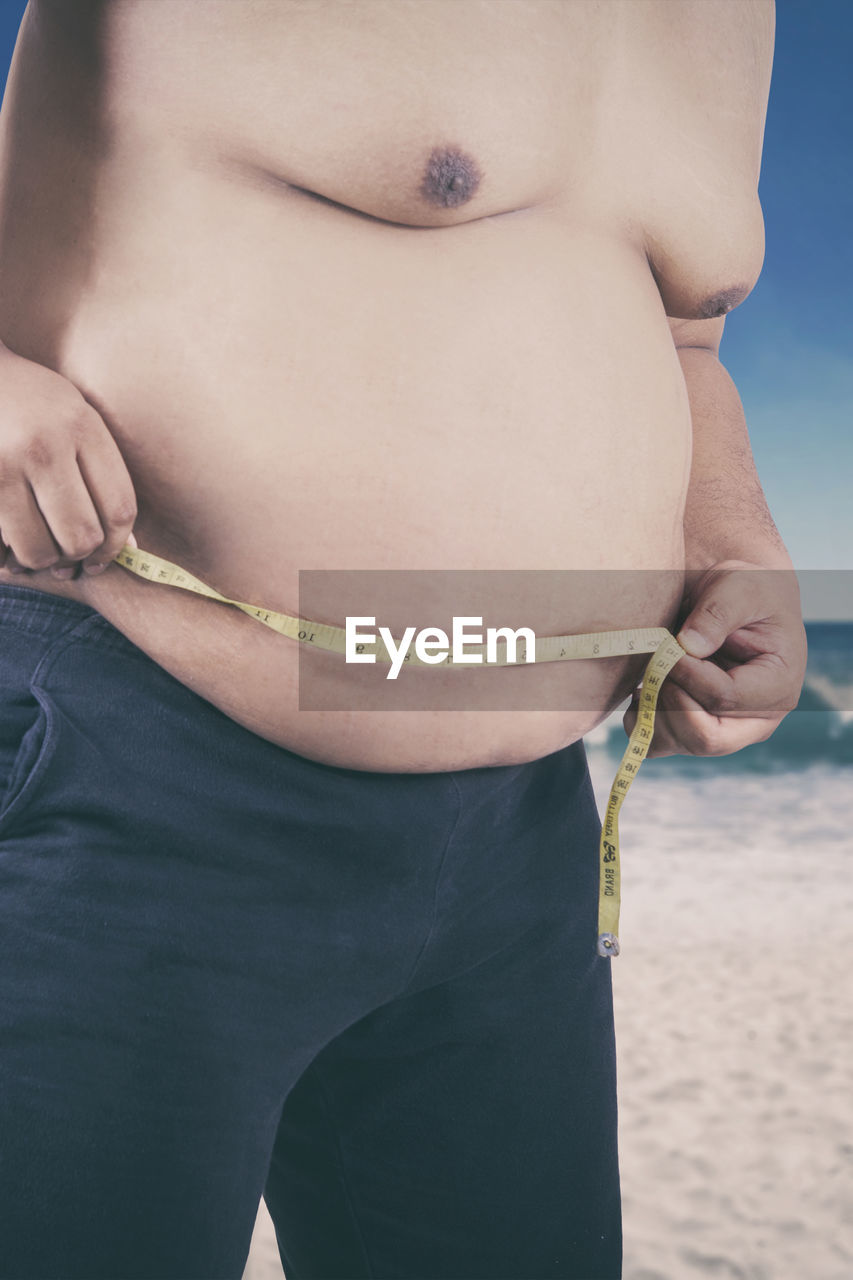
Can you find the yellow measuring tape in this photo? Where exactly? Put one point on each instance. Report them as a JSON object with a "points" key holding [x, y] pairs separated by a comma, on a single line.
{"points": [[662, 645]]}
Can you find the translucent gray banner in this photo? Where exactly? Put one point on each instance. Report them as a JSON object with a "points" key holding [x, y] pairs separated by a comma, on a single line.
{"points": [[387, 614]]}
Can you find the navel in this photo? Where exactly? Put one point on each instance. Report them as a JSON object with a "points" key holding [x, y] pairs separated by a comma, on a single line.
{"points": [[451, 177]]}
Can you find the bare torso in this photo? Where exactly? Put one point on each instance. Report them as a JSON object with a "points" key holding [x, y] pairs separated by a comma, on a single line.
{"points": [[383, 285]]}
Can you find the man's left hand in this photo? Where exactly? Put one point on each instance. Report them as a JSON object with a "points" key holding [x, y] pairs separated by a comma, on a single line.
{"points": [[746, 646]]}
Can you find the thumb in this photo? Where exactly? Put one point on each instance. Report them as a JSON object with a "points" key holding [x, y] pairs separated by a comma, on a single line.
{"points": [[707, 626]]}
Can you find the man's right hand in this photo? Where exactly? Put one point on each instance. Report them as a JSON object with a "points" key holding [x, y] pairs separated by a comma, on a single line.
{"points": [[66, 497]]}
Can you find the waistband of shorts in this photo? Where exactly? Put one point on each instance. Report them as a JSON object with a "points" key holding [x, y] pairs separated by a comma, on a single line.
{"points": [[38, 612]]}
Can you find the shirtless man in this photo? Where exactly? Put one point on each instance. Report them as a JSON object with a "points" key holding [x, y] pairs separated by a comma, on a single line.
{"points": [[398, 284]]}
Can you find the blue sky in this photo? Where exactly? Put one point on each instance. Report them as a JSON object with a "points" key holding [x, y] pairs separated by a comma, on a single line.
{"points": [[789, 347]]}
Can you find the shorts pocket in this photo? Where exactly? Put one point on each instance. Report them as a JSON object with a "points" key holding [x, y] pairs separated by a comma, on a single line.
{"points": [[27, 739]]}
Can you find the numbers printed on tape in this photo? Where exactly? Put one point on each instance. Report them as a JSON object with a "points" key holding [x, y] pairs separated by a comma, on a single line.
{"points": [[663, 646]]}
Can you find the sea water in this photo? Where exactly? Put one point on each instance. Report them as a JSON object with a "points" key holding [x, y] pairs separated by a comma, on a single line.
{"points": [[793, 791]]}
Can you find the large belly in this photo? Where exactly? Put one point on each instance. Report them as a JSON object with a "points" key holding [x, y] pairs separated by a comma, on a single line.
{"points": [[295, 387]]}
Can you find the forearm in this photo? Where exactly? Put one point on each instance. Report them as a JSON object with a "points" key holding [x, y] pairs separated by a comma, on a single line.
{"points": [[726, 515]]}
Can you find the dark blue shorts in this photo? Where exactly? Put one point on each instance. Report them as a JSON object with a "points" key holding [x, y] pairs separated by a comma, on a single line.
{"points": [[227, 971]]}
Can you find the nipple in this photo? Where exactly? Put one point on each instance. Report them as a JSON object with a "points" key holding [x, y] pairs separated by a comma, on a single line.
{"points": [[451, 177], [723, 302]]}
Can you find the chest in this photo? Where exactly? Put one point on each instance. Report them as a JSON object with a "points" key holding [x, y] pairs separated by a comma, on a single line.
{"points": [[644, 115]]}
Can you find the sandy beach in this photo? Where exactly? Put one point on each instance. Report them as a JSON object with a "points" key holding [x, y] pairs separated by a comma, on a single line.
{"points": [[734, 1008]]}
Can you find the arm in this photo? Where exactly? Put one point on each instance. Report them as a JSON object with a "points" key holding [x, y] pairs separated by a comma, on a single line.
{"points": [[742, 623], [741, 620], [726, 514], [66, 497]]}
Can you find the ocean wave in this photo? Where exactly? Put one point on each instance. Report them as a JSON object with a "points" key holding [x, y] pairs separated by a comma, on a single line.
{"points": [[798, 812], [820, 730]]}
